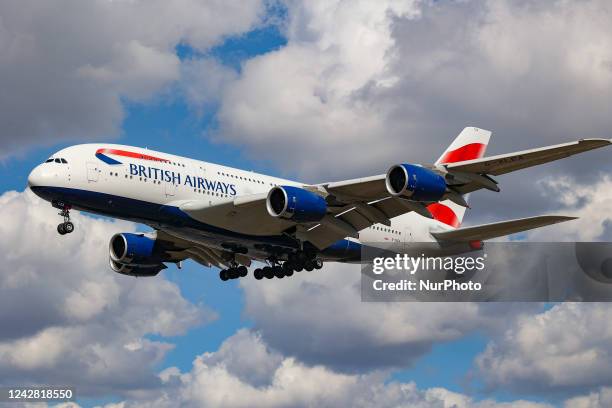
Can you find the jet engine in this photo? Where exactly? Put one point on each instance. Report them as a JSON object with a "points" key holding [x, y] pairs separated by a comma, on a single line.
{"points": [[136, 255], [415, 182], [296, 204], [130, 248]]}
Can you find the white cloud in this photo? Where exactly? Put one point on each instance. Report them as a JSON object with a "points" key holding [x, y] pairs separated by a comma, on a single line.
{"points": [[66, 67], [203, 81], [319, 318], [361, 86], [592, 203], [597, 399], [67, 317], [563, 350], [215, 380]]}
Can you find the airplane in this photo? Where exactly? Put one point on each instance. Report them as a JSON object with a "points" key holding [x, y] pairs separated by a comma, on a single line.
{"points": [[229, 218]]}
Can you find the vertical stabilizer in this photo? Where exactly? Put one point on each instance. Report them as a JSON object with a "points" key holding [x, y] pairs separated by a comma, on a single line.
{"points": [[471, 144]]}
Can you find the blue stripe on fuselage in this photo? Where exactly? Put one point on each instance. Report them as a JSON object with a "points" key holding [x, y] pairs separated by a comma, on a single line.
{"points": [[106, 159]]}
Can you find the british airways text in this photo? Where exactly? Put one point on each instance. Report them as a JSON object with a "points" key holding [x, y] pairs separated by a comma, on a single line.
{"points": [[170, 176]]}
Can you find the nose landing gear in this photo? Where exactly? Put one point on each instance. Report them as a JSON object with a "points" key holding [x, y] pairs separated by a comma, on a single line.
{"points": [[67, 226]]}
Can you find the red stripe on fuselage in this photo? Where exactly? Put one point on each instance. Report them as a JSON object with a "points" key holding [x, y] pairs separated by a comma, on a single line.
{"points": [[468, 152], [133, 155], [443, 214]]}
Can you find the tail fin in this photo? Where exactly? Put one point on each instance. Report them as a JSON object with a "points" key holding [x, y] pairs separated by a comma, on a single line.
{"points": [[470, 144], [447, 212]]}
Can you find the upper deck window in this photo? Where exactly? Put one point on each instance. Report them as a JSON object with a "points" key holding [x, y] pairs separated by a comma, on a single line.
{"points": [[48, 160], [64, 161], [57, 161]]}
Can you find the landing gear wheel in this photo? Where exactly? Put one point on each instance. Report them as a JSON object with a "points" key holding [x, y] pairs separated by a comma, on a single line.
{"points": [[268, 272], [242, 271], [278, 272], [289, 272], [258, 274], [68, 227], [288, 267], [299, 266], [223, 275], [232, 273], [318, 264], [309, 266]]}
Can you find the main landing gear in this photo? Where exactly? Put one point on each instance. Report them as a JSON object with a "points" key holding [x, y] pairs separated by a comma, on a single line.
{"points": [[67, 226], [296, 263], [234, 272]]}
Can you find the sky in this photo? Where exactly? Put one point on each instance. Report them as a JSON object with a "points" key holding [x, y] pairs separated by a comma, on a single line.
{"points": [[317, 91]]}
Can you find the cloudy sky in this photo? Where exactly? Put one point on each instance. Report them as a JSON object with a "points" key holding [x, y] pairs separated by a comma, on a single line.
{"points": [[317, 91]]}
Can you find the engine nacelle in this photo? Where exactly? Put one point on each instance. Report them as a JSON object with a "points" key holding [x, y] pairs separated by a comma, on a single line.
{"points": [[127, 248], [136, 270], [415, 182], [296, 204]]}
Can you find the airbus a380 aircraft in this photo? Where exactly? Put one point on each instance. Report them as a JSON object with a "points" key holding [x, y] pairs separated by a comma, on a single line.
{"points": [[226, 217]]}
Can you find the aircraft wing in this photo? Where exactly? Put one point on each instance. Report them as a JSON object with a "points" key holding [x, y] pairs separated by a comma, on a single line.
{"points": [[499, 229], [356, 204], [471, 175], [248, 215]]}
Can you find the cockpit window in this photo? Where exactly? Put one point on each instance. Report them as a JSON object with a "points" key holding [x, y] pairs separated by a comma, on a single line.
{"points": [[48, 160], [64, 161], [57, 161]]}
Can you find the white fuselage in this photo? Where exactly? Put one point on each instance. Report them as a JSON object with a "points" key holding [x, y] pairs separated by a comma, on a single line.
{"points": [[133, 183]]}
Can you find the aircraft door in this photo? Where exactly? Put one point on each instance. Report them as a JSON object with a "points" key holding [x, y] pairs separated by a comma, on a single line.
{"points": [[93, 172]]}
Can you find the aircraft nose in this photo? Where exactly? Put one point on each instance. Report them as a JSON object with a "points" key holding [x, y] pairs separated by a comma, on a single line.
{"points": [[36, 177]]}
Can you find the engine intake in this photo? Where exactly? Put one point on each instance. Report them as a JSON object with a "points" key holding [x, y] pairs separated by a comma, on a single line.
{"points": [[415, 182], [296, 204], [129, 248]]}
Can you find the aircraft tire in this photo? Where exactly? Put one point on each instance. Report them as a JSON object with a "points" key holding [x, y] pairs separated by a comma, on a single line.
{"points": [[68, 227], [242, 271], [268, 272], [279, 272]]}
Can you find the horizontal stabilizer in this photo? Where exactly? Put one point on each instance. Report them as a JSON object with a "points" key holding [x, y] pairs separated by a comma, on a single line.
{"points": [[499, 229]]}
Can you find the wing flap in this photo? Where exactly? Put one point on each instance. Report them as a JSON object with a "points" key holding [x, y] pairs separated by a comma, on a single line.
{"points": [[499, 229]]}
